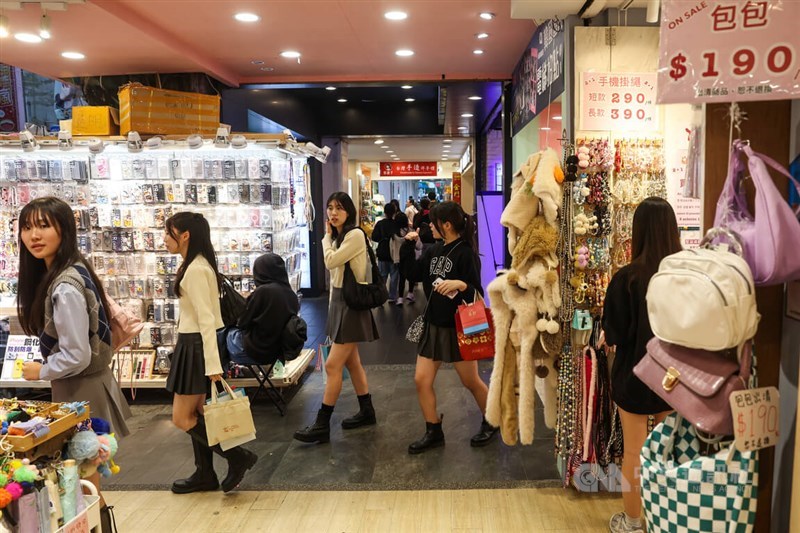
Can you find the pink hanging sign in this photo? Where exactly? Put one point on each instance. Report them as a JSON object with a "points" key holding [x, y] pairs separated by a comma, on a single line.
{"points": [[729, 51]]}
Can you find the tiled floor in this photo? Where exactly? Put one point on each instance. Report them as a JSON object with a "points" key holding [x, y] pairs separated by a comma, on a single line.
{"points": [[364, 459]]}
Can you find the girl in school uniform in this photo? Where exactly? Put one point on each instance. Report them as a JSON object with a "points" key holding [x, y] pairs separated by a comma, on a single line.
{"points": [[195, 360], [450, 275]]}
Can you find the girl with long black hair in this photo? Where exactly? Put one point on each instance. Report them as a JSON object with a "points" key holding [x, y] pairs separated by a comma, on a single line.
{"points": [[62, 301], [450, 275], [626, 327], [196, 357], [344, 243]]}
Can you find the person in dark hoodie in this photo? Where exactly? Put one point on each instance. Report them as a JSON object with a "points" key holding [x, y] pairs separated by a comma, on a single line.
{"points": [[260, 330]]}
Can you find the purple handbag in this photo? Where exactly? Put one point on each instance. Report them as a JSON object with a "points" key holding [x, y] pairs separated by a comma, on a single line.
{"points": [[696, 383], [771, 238]]}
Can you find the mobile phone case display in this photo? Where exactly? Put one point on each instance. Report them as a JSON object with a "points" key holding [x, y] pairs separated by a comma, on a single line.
{"points": [[121, 201]]}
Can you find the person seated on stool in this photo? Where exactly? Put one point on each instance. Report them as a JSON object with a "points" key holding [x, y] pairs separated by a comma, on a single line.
{"points": [[259, 332]]}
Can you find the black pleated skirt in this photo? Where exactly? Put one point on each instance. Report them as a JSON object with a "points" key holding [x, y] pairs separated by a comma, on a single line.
{"points": [[440, 344], [346, 325], [187, 372]]}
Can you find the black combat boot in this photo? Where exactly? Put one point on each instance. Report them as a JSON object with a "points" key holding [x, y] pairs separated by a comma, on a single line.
{"points": [[433, 438], [484, 436], [365, 415], [320, 430]]}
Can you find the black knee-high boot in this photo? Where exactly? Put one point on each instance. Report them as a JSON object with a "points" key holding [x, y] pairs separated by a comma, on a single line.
{"points": [[204, 477], [239, 459]]}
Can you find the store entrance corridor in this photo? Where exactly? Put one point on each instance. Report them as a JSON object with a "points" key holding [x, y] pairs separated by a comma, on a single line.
{"points": [[374, 458]]}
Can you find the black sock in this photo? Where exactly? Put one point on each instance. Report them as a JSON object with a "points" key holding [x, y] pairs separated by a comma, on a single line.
{"points": [[328, 409], [364, 399]]}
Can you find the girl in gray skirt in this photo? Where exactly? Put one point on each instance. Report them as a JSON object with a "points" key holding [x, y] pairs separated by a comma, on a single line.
{"points": [[62, 301], [344, 243], [195, 360], [450, 275]]}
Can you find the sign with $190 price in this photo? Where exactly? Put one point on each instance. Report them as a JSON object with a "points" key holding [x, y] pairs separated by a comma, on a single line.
{"points": [[729, 51]]}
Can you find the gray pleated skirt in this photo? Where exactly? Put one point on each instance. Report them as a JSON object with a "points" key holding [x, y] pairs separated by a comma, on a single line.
{"points": [[346, 325], [439, 343], [187, 371], [102, 391]]}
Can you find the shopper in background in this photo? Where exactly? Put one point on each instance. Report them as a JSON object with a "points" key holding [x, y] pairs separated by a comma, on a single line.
{"points": [[195, 360], [62, 301], [344, 243], [411, 210], [397, 256], [422, 224], [627, 329], [396, 203], [382, 233], [450, 275], [432, 198]]}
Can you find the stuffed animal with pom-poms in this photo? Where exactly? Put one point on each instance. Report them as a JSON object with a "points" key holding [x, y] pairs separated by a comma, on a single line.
{"points": [[15, 490]]}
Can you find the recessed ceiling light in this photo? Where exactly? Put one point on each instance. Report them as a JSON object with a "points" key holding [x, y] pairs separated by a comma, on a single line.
{"points": [[467, 115], [475, 98], [404, 53], [330, 88], [481, 35], [390, 151], [290, 54], [27, 38], [556, 117], [409, 99], [247, 17], [396, 15], [447, 140], [462, 128], [342, 100], [545, 128], [44, 26], [478, 52], [445, 151], [257, 62], [406, 87], [378, 141], [486, 15], [73, 55], [385, 147], [267, 69]]}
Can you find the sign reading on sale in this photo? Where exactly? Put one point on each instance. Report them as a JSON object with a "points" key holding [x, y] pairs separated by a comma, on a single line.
{"points": [[611, 101], [729, 50], [755, 418]]}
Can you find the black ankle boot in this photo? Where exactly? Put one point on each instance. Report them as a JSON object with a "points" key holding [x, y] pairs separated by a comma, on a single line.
{"points": [[319, 431], [204, 477], [433, 438], [365, 415], [239, 459], [484, 436]]}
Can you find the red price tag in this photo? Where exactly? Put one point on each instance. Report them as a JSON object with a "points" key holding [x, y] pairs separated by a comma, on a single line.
{"points": [[755, 418]]}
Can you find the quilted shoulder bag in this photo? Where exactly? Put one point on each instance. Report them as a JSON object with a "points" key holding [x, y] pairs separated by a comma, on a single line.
{"points": [[771, 236], [368, 295], [696, 383]]}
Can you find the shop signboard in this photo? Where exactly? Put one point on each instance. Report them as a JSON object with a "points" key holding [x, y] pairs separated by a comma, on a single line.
{"points": [[613, 101], [10, 120], [538, 78], [457, 187], [408, 169], [728, 51], [20, 349]]}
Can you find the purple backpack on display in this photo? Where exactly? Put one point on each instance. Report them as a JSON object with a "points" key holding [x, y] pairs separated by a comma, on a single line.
{"points": [[771, 238]]}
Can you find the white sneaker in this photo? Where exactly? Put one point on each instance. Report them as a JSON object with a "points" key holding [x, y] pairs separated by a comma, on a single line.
{"points": [[410, 297], [399, 301], [618, 524]]}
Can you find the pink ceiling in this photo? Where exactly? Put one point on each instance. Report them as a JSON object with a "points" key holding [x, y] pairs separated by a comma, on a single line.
{"points": [[340, 40]]}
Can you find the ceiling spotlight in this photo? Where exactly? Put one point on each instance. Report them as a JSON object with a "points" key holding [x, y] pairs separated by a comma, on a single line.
{"points": [[4, 31], [342, 100], [445, 151], [486, 15], [330, 88], [481, 35], [389, 151], [475, 98], [556, 117], [405, 53], [410, 100], [385, 146], [545, 128], [378, 141], [257, 62], [396, 15], [267, 69], [462, 128], [27, 38], [44, 26], [478, 52], [64, 140], [28, 141], [247, 17], [467, 115], [405, 87], [134, 142], [447, 141], [290, 54], [73, 55]]}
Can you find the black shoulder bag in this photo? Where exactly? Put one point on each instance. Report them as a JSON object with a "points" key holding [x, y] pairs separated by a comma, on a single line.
{"points": [[364, 296], [231, 303]]}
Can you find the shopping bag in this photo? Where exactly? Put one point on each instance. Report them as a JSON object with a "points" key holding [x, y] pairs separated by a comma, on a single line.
{"points": [[324, 350], [683, 490], [232, 443], [228, 419], [473, 316], [478, 345]]}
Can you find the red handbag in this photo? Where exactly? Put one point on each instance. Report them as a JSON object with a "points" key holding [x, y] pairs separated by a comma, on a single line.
{"points": [[479, 345]]}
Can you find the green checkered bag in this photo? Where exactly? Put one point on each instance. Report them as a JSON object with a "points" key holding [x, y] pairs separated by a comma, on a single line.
{"points": [[685, 491]]}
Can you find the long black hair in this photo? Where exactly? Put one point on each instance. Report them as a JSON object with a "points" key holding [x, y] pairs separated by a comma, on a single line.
{"points": [[346, 203], [34, 276], [453, 213], [655, 233], [199, 242]]}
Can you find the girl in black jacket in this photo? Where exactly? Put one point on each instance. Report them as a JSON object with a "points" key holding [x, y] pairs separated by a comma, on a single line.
{"points": [[452, 265]]}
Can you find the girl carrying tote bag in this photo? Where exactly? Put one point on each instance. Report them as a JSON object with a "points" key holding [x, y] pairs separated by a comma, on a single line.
{"points": [[771, 237]]}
